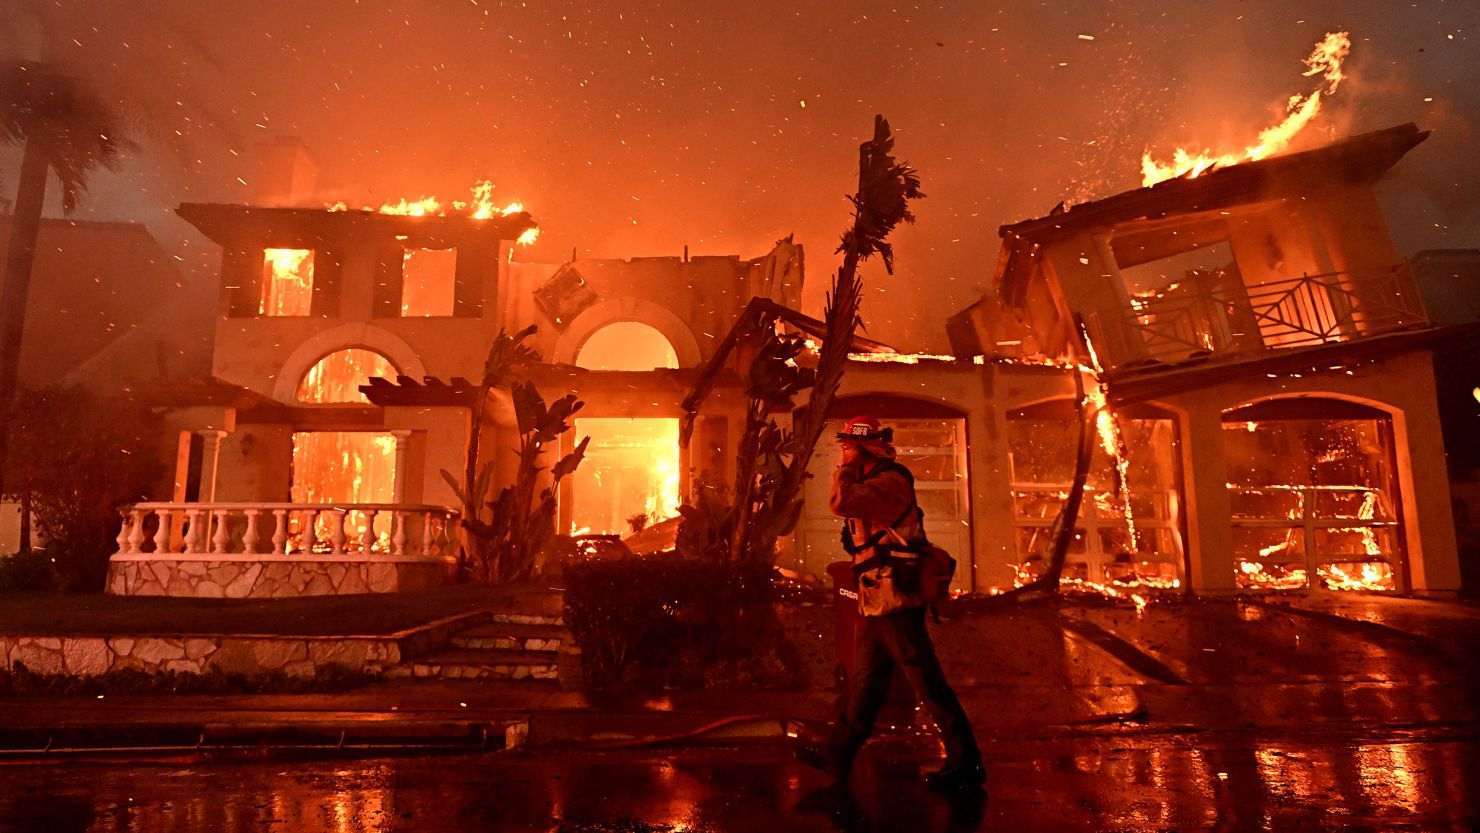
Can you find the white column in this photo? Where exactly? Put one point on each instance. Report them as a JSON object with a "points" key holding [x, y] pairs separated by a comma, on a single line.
{"points": [[403, 450], [210, 458]]}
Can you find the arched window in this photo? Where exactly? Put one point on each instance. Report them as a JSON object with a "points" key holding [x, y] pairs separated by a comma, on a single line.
{"points": [[337, 377], [626, 345]]}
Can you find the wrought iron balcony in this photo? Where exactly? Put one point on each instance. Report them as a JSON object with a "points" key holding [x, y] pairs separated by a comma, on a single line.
{"points": [[1192, 322]]}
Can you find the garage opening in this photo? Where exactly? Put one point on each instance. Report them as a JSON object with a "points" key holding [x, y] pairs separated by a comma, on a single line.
{"points": [[1314, 493], [1142, 546]]}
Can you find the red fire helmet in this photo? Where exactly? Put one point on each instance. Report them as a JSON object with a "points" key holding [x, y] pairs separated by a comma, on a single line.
{"points": [[864, 429]]}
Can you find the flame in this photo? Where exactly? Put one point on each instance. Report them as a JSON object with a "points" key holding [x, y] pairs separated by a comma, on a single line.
{"points": [[662, 502], [1369, 575], [1107, 426], [480, 207], [631, 468], [1139, 591], [1325, 60], [343, 467], [1253, 575], [897, 358]]}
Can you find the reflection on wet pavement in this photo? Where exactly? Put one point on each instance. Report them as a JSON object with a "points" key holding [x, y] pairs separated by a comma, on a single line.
{"points": [[1421, 780]]}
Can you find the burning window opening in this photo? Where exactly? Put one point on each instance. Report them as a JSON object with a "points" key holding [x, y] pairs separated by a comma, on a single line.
{"points": [[480, 207], [343, 467], [1313, 496], [428, 282], [631, 468], [337, 377], [1154, 269], [287, 282], [627, 345], [1300, 110]]}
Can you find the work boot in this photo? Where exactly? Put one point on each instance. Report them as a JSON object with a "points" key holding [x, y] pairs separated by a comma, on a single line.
{"points": [[957, 777], [825, 759]]}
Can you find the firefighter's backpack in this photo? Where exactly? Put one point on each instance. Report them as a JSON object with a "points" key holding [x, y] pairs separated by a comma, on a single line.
{"points": [[937, 567]]}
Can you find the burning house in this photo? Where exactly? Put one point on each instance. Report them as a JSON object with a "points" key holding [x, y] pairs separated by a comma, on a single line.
{"points": [[1263, 351], [311, 460], [1260, 350]]}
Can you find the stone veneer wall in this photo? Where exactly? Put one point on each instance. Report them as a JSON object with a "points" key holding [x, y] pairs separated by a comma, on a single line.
{"points": [[269, 576], [86, 656]]}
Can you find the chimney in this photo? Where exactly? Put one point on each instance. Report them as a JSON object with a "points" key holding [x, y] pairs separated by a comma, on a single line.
{"points": [[286, 174]]}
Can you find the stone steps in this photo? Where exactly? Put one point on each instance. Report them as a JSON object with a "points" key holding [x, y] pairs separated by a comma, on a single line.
{"points": [[471, 664], [513, 646], [512, 636], [529, 619]]}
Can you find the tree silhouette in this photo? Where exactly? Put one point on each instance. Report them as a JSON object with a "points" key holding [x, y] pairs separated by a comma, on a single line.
{"points": [[67, 129]]}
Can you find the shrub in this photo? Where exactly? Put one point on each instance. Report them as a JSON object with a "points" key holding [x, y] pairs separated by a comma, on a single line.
{"points": [[74, 458], [663, 619], [26, 571]]}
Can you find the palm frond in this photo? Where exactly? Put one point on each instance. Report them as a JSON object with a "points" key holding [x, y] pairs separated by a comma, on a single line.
{"points": [[62, 116], [885, 188]]}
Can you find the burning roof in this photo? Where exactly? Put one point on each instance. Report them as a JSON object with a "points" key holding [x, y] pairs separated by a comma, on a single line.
{"points": [[226, 224], [1361, 158]]}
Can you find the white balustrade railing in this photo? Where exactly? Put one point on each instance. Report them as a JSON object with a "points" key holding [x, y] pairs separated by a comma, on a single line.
{"points": [[307, 529]]}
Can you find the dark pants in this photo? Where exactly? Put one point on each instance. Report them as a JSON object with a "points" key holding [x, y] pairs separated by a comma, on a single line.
{"points": [[901, 639]]}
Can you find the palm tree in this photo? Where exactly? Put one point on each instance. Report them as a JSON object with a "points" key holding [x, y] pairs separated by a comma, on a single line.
{"points": [[67, 129], [885, 188]]}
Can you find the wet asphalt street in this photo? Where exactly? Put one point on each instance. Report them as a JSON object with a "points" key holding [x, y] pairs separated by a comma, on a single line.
{"points": [[1338, 715], [1324, 780]]}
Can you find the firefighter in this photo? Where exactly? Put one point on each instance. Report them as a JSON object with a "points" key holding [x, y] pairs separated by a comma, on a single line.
{"points": [[876, 497]]}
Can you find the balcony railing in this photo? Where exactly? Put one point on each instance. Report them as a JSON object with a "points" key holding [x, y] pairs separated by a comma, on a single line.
{"points": [[283, 529], [1193, 322]]}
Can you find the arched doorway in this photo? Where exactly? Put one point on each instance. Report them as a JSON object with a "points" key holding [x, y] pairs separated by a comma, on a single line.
{"points": [[344, 466], [630, 475], [1313, 489]]}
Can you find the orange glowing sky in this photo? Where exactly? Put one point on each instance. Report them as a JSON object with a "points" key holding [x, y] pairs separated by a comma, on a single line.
{"points": [[636, 128]]}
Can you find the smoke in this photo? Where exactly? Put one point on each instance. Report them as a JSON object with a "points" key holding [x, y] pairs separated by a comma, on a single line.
{"points": [[636, 128]]}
